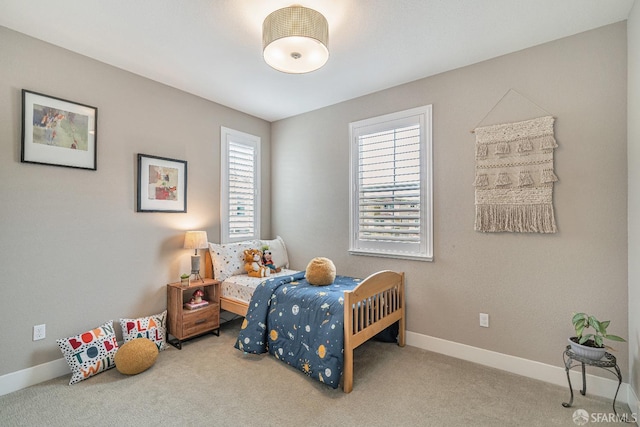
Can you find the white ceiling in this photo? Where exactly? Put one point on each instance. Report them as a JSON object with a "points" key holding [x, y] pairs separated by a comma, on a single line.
{"points": [[213, 48]]}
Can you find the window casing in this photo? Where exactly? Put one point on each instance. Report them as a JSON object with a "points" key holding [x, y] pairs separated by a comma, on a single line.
{"points": [[391, 182], [240, 185]]}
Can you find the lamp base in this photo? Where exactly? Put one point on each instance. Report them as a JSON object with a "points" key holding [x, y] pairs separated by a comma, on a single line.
{"points": [[195, 267]]}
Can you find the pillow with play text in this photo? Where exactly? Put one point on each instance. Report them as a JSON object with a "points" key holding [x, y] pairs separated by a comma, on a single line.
{"points": [[278, 251], [91, 352], [228, 259], [152, 327]]}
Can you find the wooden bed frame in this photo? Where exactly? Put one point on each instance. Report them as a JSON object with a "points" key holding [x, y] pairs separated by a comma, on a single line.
{"points": [[375, 304]]}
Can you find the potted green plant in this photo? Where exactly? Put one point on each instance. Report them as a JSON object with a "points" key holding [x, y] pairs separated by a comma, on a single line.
{"points": [[590, 345], [184, 279]]}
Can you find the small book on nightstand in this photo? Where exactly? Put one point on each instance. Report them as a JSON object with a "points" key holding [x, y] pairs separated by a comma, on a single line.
{"points": [[194, 305]]}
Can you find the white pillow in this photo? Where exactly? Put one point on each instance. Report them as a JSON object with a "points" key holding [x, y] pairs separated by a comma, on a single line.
{"points": [[152, 327], [278, 251], [228, 259], [90, 352]]}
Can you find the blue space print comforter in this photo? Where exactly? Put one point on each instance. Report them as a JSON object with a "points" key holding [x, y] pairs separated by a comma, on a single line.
{"points": [[300, 324]]}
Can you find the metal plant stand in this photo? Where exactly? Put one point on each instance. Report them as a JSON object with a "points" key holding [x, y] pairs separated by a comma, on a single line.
{"points": [[608, 363]]}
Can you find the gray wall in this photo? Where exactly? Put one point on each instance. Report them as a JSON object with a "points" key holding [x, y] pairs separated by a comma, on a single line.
{"points": [[633, 36], [529, 284], [73, 251]]}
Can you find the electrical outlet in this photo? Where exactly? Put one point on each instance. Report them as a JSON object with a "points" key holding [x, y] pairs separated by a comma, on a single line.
{"points": [[39, 332], [484, 320]]}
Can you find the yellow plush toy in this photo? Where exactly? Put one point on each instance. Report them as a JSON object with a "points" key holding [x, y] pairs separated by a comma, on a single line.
{"points": [[320, 272], [253, 264]]}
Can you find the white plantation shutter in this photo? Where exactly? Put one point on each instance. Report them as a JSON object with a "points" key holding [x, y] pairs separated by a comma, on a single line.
{"points": [[391, 200], [242, 215], [389, 185], [240, 198]]}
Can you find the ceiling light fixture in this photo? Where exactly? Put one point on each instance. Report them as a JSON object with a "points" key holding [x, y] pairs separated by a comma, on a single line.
{"points": [[295, 39]]}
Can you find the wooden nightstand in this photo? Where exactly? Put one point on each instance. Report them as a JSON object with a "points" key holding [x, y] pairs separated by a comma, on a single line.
{"points": [[183, 323]]}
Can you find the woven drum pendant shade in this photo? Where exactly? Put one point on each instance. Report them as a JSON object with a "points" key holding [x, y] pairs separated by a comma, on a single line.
{"points": [[295, 40]]}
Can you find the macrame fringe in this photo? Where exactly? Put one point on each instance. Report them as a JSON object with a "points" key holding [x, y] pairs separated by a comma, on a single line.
{"points": [[548, 176], [503, 179], [515, 218], [525, 180], [502, 148], [548, 142], [524, 146], [482, 180]]}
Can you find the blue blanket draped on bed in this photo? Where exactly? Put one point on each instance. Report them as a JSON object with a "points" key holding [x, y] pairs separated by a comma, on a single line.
{"points": [[298, 323]]}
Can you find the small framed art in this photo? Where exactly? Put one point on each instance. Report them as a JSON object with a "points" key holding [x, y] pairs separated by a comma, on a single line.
{"points": [[162, 184], [58, 132]]}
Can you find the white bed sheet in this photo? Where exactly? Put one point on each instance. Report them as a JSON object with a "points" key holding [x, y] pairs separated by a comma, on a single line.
{"points": [[241, 287]]}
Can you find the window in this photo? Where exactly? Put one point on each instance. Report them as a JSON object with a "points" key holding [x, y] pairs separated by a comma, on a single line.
{"points": [[240, 184], [391, 174]]}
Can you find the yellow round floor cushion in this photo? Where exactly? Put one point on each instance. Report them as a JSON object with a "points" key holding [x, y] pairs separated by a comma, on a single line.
{"points": [[136, 356]]}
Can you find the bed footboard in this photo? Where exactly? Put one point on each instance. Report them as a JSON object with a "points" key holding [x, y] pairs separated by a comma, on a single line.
{"points": [[375, 304]]}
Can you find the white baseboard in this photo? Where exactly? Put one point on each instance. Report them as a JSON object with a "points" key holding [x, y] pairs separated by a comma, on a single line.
{"points": [[15, 381], [596, 385]]}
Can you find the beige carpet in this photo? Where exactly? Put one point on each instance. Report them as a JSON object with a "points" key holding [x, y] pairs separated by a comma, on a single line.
{"points": [[209, 383]]}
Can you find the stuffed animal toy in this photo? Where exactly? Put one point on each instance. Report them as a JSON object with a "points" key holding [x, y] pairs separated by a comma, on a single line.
{"points": [[267, 260], [253, 263], [320, 272]]}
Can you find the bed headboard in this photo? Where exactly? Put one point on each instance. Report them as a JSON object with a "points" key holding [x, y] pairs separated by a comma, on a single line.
{"points": [[208, 265], [225, 253]]}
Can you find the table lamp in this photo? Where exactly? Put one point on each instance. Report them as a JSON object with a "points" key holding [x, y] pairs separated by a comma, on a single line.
{"points": [[196, 240]]}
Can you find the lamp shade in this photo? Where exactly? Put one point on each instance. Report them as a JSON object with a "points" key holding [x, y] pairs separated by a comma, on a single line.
{"points": [[295, 39], [196, 240]]}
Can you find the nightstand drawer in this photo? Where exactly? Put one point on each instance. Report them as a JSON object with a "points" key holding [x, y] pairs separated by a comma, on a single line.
{"points": [[197, 321], [182, 323]]}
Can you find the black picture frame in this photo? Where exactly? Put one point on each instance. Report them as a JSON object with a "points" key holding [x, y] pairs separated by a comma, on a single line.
{"points": [[58, 132], [162, 184]]}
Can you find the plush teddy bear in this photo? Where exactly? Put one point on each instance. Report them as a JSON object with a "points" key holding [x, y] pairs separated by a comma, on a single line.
{"points": [[267, 260], [253, 263], [320, 272]]}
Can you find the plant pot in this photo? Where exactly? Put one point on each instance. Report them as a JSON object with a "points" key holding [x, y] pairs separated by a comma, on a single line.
{"points": [[184, 282], [586, 351]]}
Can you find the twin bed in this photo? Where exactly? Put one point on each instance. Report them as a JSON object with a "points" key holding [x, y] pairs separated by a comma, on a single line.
{"points": [[314, 329]]}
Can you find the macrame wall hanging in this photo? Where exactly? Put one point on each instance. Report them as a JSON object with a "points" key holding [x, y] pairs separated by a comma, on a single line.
{"points": [[515, 176]]}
